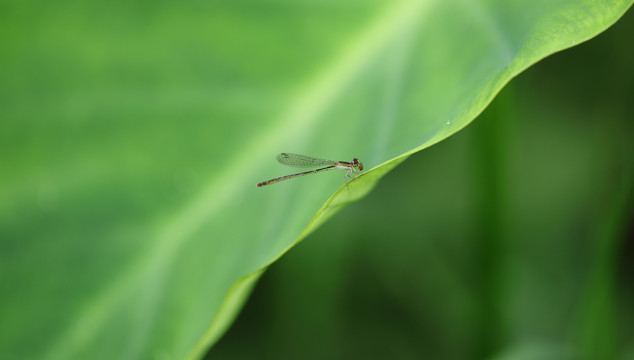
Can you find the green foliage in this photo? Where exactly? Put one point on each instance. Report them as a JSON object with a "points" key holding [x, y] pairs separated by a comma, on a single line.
{"points": [[510, 240], [133, 136]]}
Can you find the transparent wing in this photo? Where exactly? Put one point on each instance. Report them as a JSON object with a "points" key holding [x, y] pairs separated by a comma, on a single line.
{"points": [[302, 161]]}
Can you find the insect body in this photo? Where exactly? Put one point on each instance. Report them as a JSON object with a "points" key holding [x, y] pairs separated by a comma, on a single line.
{"points": [[303, 161]]}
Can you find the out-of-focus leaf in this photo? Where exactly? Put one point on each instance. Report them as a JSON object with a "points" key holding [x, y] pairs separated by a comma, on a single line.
{"points": [[132, 138]]}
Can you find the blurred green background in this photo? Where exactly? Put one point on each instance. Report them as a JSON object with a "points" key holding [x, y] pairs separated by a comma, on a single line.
{"points": [[513, 239]]}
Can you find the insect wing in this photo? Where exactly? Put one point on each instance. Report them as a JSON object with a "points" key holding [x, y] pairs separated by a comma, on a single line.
{"points": [[302, 161]]}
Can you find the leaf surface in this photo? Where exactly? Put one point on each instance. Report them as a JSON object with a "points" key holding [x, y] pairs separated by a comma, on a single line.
{"points": [[133, 138]]}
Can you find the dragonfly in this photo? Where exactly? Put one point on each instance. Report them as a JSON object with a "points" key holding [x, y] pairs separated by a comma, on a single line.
{"points": [[304, 161]]}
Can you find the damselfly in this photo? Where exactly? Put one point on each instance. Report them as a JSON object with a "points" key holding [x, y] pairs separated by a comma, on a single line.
{"points": [[303, 161]]}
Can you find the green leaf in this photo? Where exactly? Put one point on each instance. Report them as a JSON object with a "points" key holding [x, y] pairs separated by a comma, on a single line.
{"points": [[133, 137]]}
